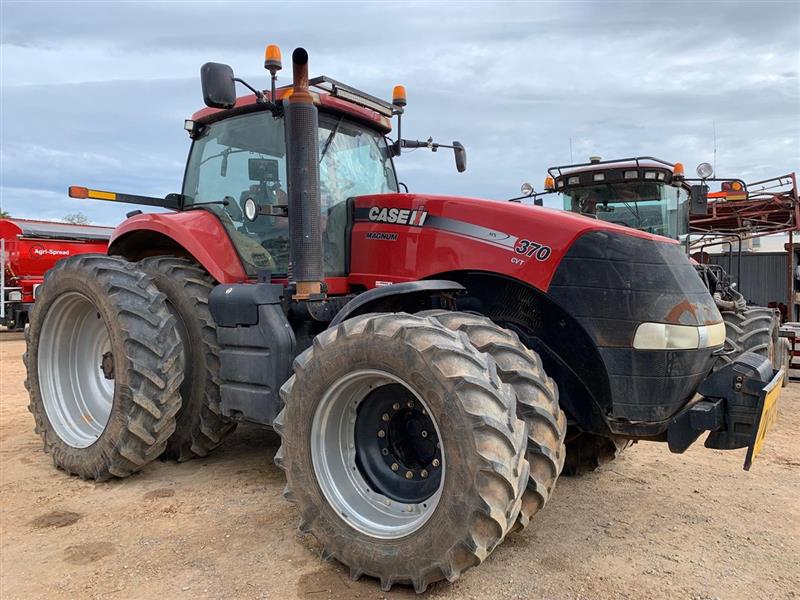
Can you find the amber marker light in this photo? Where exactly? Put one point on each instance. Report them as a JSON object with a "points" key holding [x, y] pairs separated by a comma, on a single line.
{"points": [[549, 183], [272, 58], [677, 170], [399, 96], [76, 191]]}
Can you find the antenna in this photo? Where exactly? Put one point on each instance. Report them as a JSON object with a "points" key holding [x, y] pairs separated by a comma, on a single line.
{"points": [[571, 160], [714, 126]]}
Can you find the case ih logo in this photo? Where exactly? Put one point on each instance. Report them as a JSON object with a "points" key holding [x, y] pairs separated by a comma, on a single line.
{"points": [[401, 216], [39, 250]]}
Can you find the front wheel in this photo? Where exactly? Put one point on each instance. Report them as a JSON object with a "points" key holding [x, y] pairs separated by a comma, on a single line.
{"points": [[537, 402], [402, 449]]}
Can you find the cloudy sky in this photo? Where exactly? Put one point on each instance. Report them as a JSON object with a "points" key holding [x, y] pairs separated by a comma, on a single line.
{"points": [[96, 93]]}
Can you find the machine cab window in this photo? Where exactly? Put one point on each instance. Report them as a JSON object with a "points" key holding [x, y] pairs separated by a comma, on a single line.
{"points": [[648, 206], [245, 157]]}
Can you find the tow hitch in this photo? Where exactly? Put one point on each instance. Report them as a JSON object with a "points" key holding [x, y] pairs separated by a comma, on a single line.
{"points": [[739, 405]]}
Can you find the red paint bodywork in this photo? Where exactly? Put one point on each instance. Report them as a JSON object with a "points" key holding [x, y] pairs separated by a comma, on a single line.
{"points": [[424, 252], [416, 253], [199, 232], [29, 257]]}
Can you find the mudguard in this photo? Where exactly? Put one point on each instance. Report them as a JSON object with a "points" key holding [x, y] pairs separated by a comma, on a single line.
{"points": [[198, 232]]}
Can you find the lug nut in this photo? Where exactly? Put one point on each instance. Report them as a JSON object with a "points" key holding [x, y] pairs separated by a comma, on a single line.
{"points": [[410, 404], [395, 466], [396, 406], [424, 433], [409, 475], [385, 417], [436, 462], [381, 433], [385, 451], [423, 473]]}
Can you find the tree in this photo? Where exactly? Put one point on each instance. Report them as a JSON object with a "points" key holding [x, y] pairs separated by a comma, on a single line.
{"points": [[4, 214], [76, 219]]}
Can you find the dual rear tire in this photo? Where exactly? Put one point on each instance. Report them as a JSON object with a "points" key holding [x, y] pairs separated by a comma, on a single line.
{"points": [[122, 364]]}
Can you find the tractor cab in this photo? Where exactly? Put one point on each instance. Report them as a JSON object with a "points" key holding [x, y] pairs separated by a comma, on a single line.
{"points": [[643, 193], [237, 169]]}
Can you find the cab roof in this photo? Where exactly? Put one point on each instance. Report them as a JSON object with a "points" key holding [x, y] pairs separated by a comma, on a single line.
{"points": [[328, 94]]}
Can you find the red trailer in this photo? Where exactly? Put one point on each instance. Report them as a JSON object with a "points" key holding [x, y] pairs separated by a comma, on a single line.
{"points": [[28, 249]]}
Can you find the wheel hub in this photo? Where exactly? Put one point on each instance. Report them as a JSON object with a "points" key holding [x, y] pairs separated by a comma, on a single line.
{"points": [[107, 365], [397, 448]]}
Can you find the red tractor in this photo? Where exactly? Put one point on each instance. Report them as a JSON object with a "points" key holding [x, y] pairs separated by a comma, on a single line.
{"points": [[420, 356]]}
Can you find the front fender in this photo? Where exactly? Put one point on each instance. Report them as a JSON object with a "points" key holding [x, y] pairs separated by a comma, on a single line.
{"points": [[197, 234], [394, 298]]}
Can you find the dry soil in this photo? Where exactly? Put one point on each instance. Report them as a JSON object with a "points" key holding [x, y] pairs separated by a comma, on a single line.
{"points": [[650, 525]]}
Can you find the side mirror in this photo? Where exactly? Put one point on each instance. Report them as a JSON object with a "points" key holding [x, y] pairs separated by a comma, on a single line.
{"points": [[219, 88], [698, 200], [461, 156]]}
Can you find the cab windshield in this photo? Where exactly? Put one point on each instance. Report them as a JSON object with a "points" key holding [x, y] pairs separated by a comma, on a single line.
{"points": [[647, 206], [245, 157]]}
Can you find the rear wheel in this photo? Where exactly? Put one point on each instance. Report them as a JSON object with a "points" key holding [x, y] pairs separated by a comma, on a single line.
{"points": [[537, 401], [104, 364], [402, 449], [200, 426]]}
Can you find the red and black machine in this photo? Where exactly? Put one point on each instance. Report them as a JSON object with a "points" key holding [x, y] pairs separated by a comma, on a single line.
{"points": [[431, 363]]}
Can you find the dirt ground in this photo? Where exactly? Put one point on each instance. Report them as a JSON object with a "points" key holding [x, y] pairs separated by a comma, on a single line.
{"points": [[651, 525]]}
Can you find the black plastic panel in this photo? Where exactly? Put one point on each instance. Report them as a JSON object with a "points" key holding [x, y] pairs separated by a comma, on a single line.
{"points": [[610, 283], [257, 347]]}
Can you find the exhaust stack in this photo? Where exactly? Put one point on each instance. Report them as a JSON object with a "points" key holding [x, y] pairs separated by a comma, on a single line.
{"points": [[302, 165]]}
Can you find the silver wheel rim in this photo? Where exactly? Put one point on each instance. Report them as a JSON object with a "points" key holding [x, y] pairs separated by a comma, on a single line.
{"points": [[76, 393], [333, 456]]}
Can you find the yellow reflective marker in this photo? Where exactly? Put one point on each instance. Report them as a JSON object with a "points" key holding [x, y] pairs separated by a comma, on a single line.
{"points": [[99, 195]]}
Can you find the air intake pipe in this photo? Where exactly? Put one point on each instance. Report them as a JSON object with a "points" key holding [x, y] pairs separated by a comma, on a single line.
{"points": [[302, 166]]}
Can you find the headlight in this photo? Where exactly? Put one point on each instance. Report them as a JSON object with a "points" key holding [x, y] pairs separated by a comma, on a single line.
{"points": [[14, 296], [665, 336]]}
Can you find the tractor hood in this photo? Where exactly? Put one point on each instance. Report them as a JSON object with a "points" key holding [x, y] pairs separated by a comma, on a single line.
{"points": [[454, 233]]}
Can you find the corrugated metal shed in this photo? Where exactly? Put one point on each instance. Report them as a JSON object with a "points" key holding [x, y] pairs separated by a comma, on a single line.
{"points": [[763, 275]]}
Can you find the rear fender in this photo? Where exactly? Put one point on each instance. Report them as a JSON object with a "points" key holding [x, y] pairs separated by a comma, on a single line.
{"points": [[196, 234]]}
